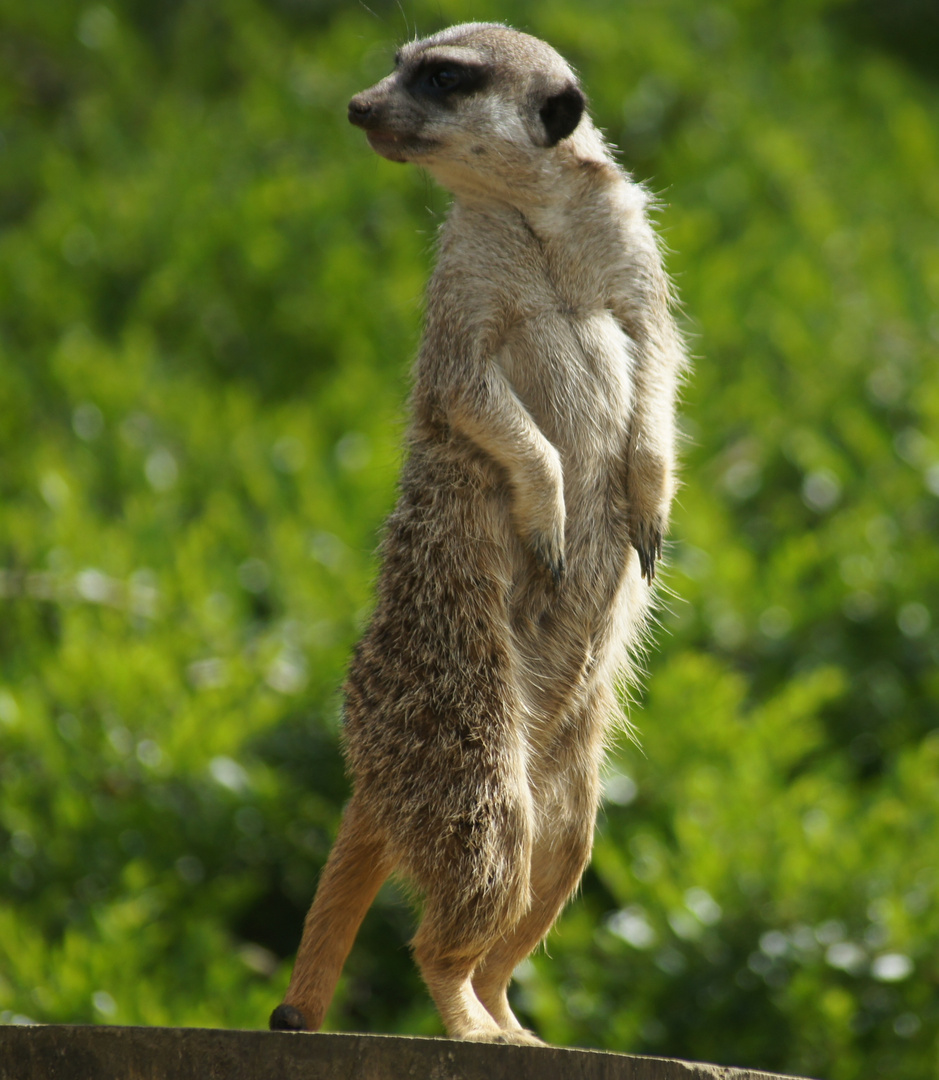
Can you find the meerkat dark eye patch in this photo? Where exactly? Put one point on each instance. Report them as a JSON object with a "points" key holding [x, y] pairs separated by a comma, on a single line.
{"points": [[561, 113], [442, 79]]}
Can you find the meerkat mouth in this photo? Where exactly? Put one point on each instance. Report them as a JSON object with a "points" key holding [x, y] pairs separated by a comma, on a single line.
{"points": [[398, 147], [384, 140]]}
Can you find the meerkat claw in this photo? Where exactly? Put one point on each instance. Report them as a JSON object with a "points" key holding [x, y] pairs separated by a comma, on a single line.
{"points": [[550, 557], [647, 540]]}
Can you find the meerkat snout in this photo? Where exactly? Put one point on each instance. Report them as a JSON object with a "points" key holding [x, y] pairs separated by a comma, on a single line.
{"points": [[359, 112]]}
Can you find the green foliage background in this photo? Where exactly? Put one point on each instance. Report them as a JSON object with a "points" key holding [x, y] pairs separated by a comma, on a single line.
{"points": [[209, 298]]}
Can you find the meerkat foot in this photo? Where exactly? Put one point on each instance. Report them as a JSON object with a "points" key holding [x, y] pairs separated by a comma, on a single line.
{"points": [[511, 1036], [491, 1033], [497, 1005], [520, 1037]]}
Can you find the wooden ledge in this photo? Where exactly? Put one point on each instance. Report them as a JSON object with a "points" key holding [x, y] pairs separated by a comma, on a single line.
{"points": [[66, 1052]]}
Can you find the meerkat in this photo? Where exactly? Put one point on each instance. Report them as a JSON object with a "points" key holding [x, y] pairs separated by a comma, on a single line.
{"points": [[514, 589]]}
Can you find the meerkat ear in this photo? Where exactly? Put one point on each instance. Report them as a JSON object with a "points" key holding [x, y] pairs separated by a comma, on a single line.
{"points": [[561, 112]]}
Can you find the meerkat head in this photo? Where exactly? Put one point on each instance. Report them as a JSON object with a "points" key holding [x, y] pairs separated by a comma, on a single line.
{"points": [[477, 102]]}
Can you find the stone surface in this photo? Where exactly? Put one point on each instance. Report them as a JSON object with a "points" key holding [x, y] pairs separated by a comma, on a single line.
{"points": [[65, 1052]]}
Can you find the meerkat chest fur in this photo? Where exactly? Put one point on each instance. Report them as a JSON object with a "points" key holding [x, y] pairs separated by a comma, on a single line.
{"points": [[539, 285]]}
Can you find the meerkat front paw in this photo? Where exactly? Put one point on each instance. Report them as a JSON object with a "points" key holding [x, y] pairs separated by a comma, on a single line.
{"points": [[646, 537], [649, 488], [543, 532], [540, 514], [548, 550]]}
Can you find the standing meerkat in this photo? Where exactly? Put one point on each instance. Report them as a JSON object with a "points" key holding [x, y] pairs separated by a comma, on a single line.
{"points": [[517, 563]]}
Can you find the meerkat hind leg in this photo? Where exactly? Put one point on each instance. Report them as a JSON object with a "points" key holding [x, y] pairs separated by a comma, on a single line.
{"points": [[450, 984], [554, 878], [557, 865], [456, 933]]}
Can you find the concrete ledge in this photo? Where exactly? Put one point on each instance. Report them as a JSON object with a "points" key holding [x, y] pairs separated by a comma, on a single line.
{"points": [[65, 1052]]}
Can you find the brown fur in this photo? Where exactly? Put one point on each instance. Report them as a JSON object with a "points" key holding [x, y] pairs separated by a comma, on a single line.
{"points": [[533, 501]]}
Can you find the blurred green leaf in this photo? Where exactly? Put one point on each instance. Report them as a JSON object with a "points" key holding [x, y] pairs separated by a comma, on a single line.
{"points": [[210, 293]]}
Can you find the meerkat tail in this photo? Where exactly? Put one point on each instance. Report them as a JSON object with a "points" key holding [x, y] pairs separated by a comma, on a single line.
{"points": [[357, 867]]}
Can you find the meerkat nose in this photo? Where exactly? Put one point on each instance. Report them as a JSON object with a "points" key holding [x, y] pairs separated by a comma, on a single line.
{"points": [[359, 111]]}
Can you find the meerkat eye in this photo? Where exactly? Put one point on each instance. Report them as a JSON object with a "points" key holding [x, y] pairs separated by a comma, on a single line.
{"points": [[441, 79], [444, 79]]}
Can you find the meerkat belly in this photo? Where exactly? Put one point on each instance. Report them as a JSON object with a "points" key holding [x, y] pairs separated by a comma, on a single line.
{"points": [[572, 371]]}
